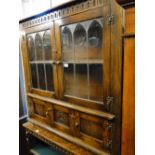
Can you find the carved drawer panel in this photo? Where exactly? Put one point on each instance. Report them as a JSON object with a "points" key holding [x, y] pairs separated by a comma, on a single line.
{"points": [[61, 117], [39, 109], [94, 129], [90, 128], [42, 111]]}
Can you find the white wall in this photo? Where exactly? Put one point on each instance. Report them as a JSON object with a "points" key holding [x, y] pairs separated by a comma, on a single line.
{"points": [[58, 2], [32, 7]]}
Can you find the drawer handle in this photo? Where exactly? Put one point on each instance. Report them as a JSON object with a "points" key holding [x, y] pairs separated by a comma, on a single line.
{"points": [[58, 62], [76, 124], [46, 113]]}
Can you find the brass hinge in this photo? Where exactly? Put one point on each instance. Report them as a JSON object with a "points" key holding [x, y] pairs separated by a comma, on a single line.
{"points": [[107, 143], [108, 103], [111, 19]]}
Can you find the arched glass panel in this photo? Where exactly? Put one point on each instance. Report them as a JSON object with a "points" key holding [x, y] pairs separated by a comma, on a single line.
{"points": [[38, 45], [80, 43], [95, 35], [66, 39], [79, 35], [95, 55], [47, 45], [81, 62], [31, 49]]}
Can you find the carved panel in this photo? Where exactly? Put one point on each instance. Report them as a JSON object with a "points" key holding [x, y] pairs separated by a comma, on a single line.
{"points": [[107, 134], [44, 111], [39, 109], [61, 117], [91, 128]]}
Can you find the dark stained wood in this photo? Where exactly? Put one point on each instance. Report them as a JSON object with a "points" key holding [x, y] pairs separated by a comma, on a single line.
{"points": [[116, 74], [125, 1], [23, 149]]}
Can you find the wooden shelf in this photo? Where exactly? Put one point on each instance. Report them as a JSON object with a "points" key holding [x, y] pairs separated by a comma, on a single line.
{"points": [[98, 113], [60, 140]]}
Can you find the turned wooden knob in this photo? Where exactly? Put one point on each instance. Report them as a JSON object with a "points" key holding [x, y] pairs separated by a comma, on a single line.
{"points": [[76, 124]]}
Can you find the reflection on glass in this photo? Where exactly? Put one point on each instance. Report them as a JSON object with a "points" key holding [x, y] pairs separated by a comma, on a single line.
{"points": [[81, 81], [95, 35], [67, 46], [69, 79], [49, 77], [38, 44], [79, 35], [95, 40], [95, 83], [31, 49], [66, 38], [41, 73], [34, 75], [47, 45], [80, 42]]}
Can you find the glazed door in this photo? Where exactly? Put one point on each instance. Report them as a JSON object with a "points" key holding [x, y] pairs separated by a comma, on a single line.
{"points": [[83, 43], [41, 60]]}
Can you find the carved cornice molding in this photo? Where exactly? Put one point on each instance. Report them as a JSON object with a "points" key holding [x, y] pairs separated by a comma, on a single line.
{"points": [[61, 13]]}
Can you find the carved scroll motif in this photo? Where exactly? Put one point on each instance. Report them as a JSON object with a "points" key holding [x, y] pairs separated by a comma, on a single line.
{"points": [[107, 134]]}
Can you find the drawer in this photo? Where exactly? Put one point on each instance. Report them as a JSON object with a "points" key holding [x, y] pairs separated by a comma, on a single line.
{"points": [[42, 111], [94, 128]]}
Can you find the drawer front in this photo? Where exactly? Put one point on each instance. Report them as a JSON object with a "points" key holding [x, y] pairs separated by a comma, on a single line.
{"points": [[42, 111], [92, 129]]}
